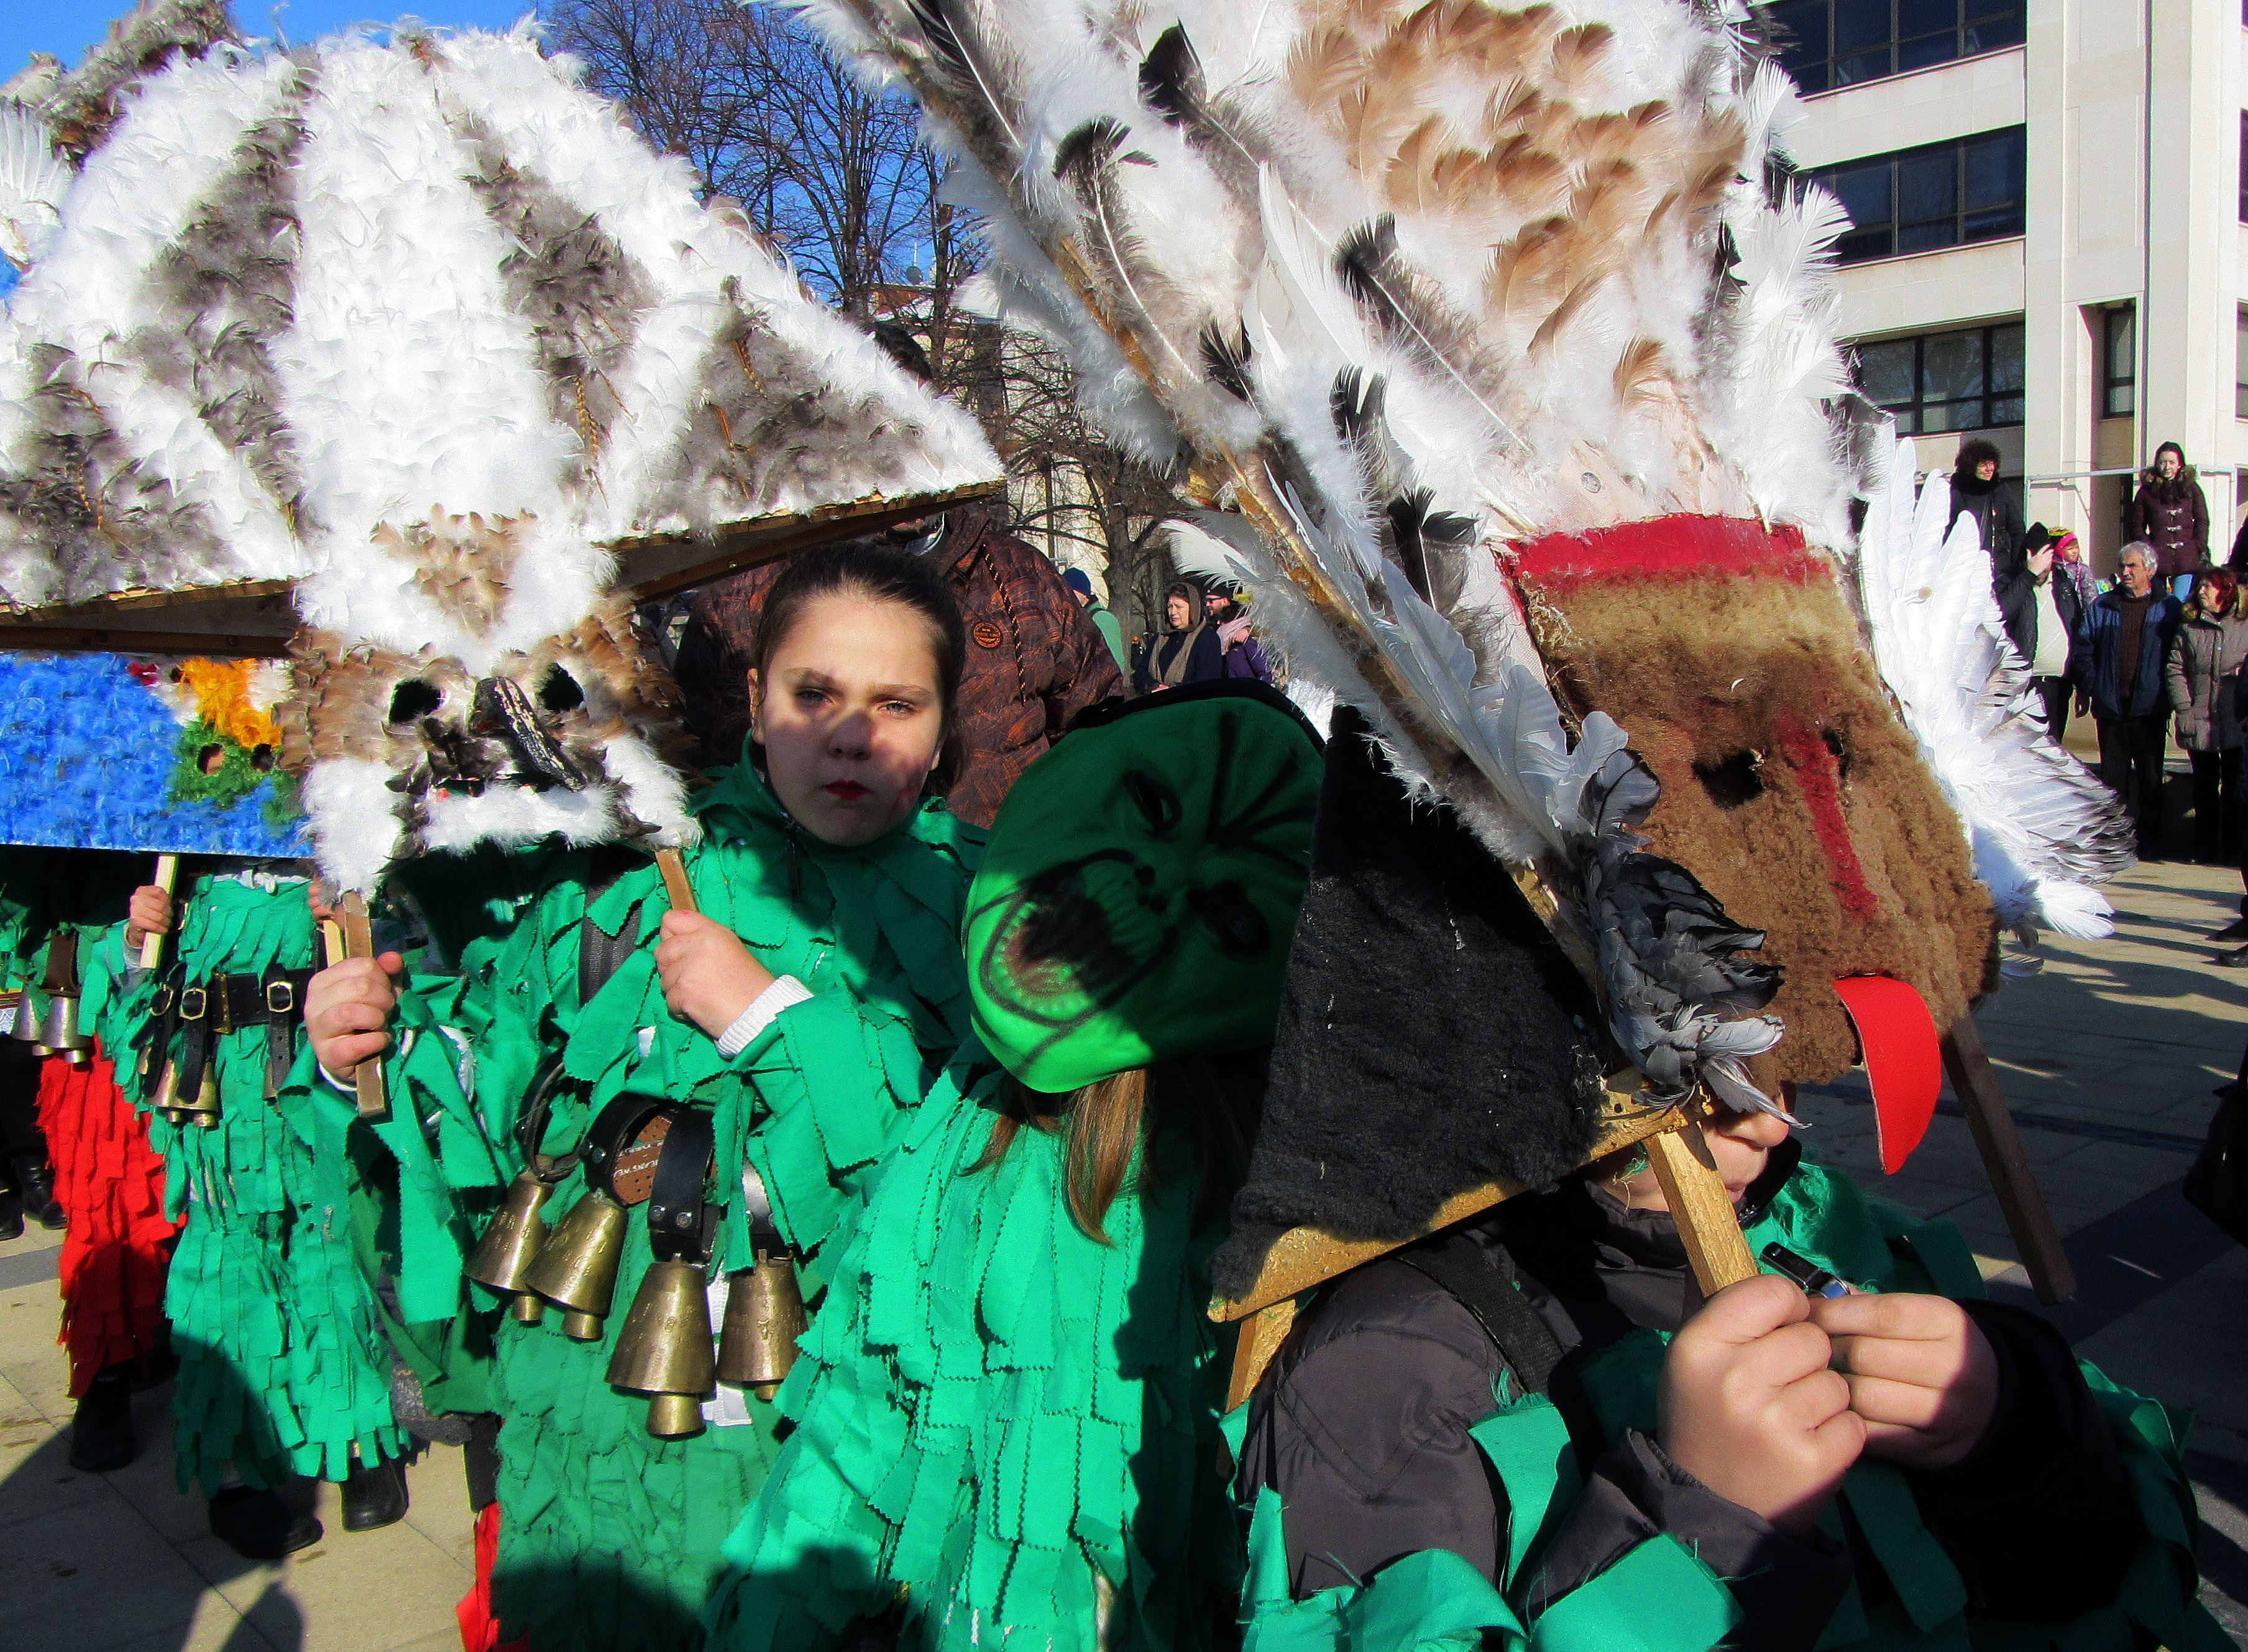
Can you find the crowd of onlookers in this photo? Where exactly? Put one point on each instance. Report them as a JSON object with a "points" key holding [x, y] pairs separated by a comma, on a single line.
{"points": [[1204, 635], [2157, 653]]}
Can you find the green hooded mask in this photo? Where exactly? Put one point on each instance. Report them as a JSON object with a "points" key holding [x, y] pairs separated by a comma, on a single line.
{"points": [[1139, 889]]}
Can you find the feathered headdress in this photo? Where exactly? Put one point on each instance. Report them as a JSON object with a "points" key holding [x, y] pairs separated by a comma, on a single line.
{"points": [[1501, 354], [421, 330]]}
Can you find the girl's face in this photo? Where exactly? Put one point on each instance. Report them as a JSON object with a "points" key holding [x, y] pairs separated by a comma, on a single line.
{"points": [[1739, 1142], [2166, 465], [850, 714]]}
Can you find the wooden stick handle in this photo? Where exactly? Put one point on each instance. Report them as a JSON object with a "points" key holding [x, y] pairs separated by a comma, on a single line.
{"points": [[1968, 1065], [167, 879], [676, 886], [1259, 1339], [1707, 1221], [358, 943]]}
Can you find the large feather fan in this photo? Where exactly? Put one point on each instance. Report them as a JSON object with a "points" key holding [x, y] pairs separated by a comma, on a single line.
{"points": [[421, 326], [2044, 827], [1396, 282]]}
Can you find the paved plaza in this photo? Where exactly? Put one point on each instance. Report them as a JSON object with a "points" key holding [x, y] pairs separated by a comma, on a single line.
{"points": [[2109, 1053]]}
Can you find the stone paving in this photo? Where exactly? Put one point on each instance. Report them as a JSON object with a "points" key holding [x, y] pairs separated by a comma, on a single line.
{"points": [[2109, 1054]]}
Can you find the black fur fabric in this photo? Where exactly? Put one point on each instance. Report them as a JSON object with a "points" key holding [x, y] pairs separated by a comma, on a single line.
{"points": [[1432, 1036]]}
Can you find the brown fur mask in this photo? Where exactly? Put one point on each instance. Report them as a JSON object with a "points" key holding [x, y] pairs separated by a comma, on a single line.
{"points": [[1790, 788]]}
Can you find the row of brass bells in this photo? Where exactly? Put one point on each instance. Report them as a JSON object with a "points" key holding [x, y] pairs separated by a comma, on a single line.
{"points": [[765, 1316], [664, 1349]]}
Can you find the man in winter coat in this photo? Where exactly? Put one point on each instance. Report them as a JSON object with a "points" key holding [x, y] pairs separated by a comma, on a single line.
{"points": [[2119, 665], [1034, 658], [2170, 512], [1977, 492], [2041, 609]]}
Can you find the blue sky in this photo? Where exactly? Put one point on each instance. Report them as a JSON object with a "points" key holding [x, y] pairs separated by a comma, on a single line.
{"points": [[68, 27]]}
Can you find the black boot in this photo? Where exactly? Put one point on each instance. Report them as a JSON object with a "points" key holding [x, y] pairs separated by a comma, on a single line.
{"points": [[102, 1431], [2235, 930], [35, 1181], [258, 1525], [2236, 959], [11, 1214], [374, 1498]]}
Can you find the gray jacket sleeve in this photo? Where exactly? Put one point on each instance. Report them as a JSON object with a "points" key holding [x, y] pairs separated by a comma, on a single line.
{"points": [[1361, 1428]]}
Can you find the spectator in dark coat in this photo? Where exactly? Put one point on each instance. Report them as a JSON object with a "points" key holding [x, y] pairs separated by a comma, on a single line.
{"points": [[1244, 655], [2119, 666], [2205, 681], [1978, 492], [2041, 607], [2170, 512], [1034, 658], [1188, 650]]}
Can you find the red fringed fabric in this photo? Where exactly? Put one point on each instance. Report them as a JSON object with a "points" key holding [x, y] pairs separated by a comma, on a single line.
{"points": [[118, 1242], [479, 1629]]}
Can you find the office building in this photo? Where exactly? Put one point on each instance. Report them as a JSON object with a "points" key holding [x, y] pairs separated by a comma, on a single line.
{"points": [[2048, 210]]}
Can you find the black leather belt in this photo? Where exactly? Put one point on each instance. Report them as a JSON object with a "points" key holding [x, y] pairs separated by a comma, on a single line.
{"points": [[187, 1016], [276, 998]]}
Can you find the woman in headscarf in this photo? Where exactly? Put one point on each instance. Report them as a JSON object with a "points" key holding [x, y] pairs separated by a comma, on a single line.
{"points": [[1188, 650]]}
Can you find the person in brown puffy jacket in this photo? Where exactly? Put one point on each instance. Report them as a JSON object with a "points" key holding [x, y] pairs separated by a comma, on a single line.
{"points": [[1034, 658], [2170, 512]]}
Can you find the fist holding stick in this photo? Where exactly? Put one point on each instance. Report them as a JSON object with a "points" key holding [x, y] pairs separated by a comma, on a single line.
{"points": [[148, 913], [709, 975], [347, 1008]]}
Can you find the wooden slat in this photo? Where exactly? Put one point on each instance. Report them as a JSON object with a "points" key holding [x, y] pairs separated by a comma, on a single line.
{"points": [[1303, 1258], [1254, 1347], [358, 943], [1984, 1103], [1708, 1223], [152, 946], [677, 888]]}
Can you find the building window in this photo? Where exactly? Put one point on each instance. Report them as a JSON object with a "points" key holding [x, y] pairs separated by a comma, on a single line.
{"points": [[1940, 195], [2119, 362], [1966, 381], [1827, 43], [2240, 365]]}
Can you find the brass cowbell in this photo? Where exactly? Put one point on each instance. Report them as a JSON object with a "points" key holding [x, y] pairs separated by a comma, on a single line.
{"points": [[576, 1268], [664, 1349], [765, 1316], [204, 1111], [504, 1256]]}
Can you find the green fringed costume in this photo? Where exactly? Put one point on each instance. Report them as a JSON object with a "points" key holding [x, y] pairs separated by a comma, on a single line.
{"points": [[284, 1369], [1006, 1425], [1658, 1597], [609, 1536], [999, 1414]]}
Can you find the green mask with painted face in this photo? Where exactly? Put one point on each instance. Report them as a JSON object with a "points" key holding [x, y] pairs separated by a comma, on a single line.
{"points": [[1139, 890]]}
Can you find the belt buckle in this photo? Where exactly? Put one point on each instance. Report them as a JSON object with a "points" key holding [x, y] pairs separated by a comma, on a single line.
{"points": [[160, 1004], [194, 1003], [280, 997]]}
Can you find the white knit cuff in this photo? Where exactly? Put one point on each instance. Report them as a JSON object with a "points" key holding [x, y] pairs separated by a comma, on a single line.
{"points": [[785, 991]]}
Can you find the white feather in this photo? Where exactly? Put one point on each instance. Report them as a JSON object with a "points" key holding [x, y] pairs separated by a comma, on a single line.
{"points": [[33, 180], [2042, 828]]}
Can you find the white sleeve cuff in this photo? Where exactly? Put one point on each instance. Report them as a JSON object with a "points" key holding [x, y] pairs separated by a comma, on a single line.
{"points": [[785, 991]]}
